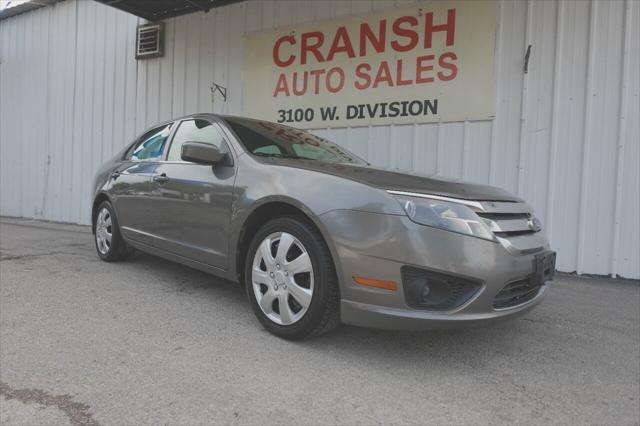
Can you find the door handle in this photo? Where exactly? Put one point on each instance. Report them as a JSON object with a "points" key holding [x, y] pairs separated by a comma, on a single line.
{"points": [[160, 178], [115, 175]]}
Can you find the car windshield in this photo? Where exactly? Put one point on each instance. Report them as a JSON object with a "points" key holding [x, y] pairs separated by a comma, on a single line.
{"points": [[266, 139]]}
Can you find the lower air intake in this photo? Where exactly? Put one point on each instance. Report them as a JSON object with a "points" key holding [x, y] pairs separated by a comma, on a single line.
{"points": [[516, 293]]}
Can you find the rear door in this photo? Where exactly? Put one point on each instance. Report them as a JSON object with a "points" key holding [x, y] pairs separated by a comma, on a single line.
{"points": [[192, 202], [132, 183]]}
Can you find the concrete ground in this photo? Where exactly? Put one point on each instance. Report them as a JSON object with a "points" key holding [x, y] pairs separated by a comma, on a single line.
{"points": [[83, 342]]}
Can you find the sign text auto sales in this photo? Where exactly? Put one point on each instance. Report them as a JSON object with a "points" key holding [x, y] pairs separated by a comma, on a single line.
{"points": [[432, 62]]}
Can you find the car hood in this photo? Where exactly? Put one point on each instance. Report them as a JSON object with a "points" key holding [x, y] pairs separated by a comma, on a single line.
{"points": [[394, 180]]}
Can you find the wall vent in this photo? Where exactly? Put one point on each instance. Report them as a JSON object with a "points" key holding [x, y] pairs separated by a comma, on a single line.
{"points": [[149, 41]]}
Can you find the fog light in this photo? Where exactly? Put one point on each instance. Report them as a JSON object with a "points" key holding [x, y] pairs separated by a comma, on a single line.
{"points": [[424, 294], [436, 291]]}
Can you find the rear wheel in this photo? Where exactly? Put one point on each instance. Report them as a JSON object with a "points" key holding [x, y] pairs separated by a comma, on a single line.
{"points": [[110, 245], [291, 280]]}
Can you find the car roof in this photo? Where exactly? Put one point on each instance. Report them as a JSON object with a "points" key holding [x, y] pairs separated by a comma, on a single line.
{"points": [[199, 115]]}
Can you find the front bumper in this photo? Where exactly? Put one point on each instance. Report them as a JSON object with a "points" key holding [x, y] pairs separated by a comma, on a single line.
{"points": [[378, 245]]}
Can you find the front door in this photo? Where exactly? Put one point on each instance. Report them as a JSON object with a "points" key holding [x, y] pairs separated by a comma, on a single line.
{"points": [[131, 184], [192, 202]]}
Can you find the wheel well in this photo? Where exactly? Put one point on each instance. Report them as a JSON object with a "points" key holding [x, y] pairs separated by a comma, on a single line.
{"points": [[254, 222], [96, 203]]}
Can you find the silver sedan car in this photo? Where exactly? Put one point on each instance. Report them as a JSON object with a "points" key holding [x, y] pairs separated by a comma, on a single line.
{"points": [[315, 234]]}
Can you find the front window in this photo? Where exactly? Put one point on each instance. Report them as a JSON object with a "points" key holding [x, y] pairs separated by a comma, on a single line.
{"points": [[265, 139], [150, 145]]}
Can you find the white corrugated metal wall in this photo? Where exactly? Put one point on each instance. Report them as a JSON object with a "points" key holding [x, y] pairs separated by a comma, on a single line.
{"points": [[566, 136]]}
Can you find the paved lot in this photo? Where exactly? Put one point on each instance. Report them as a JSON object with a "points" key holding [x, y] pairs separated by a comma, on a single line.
{"points": [[150, 342]]}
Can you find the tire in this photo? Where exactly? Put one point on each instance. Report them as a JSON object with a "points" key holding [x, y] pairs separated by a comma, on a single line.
{"points": [[312, 298], [110, 245]]}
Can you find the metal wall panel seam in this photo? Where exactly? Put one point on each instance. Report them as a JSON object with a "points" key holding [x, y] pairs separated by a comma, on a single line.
{"points": [[207, 64], [439, 160], [393, 158], [158, 64], [104, 118], [586, 141], [220, 70], [90, 73], [13, 56], [183, 103], [621, 137], [19, 50], [498, 64], [64, 102], [465, 154], [58, 123], [128, 128], [22, 177], [173, 64], [114, 83], [116, 123], [17, 196], [29, 94], [227, 78], [103, 89], [236, 61], [124, 84], [179, 58], [78, 199], [47, 118], [348, 137], [368, 142], [201, 17], [58, 127], [70, 208], [524, 105], [16, 189], [135, 91], [21, 40], [414, 146], [88, 53], [553, 142], [145, 105]]}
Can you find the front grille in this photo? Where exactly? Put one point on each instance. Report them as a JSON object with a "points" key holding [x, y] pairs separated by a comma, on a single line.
{"points": [[507, 225], [436, 291], [516, 293], [503, 216]]}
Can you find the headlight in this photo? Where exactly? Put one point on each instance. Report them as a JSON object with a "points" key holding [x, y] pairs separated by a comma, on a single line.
{"points": [[445, 215]]}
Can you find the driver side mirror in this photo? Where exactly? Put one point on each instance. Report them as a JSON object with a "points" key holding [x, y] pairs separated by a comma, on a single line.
{"points": [[203, 153]]}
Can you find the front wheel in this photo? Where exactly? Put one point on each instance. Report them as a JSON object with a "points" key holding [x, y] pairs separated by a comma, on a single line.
{"points": [[110, 245], [291, 281]]}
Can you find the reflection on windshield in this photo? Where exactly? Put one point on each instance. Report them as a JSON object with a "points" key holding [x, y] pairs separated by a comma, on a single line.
{"points": [[266, 139]]}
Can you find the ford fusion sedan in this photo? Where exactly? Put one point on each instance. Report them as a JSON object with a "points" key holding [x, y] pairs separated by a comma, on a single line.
{"points": [[316, 235]]}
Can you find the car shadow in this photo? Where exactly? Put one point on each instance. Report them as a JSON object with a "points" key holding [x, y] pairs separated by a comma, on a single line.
{"points": [[455, 345]]}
